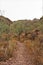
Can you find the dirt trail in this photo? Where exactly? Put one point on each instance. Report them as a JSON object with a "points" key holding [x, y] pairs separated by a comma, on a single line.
{"points": [[21, 56]]}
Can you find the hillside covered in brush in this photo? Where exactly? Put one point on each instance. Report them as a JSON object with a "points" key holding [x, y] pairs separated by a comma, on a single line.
{"points": [[29, 32], [17, 27]]}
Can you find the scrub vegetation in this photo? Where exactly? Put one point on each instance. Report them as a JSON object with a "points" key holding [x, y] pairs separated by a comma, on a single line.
{"points": [[29, 32]]}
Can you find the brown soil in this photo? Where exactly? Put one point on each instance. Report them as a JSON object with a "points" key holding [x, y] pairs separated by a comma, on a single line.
{"points": [[21, 56]]}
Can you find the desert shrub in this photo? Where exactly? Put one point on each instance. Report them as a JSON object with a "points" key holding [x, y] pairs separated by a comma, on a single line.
{"points": [[3, 50], [11, 47], [4, 28], [17, 28], [6, 49], [5, 37]]}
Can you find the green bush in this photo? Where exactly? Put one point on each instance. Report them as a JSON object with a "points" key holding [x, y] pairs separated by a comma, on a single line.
{"points": [[4, 28]]}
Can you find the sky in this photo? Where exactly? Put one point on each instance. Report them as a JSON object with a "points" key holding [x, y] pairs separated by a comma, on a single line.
{"points": [[21, 9]]}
